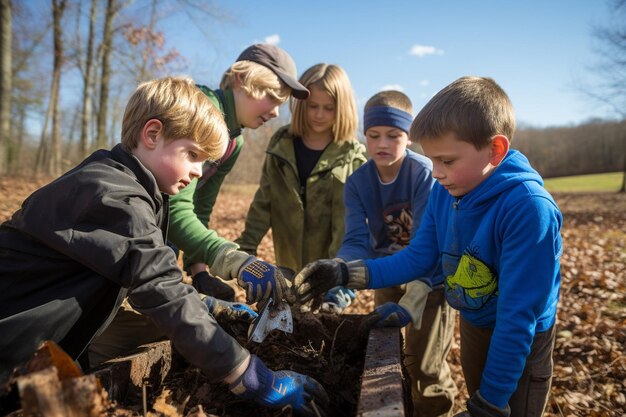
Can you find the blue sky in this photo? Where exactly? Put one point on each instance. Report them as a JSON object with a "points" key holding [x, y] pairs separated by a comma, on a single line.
{"points": [[538, 51]]}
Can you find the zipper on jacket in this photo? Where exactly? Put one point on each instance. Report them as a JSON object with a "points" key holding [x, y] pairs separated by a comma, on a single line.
{"points": [[455, 205], [302, 195]]}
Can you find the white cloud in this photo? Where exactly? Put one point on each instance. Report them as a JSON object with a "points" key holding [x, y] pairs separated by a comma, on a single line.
{"points": [[388, 87], [424, 83], [272, 39], [423, 50]]}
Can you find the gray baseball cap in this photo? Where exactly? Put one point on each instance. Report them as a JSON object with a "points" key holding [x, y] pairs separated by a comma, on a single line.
{"points": [[279, 61]]}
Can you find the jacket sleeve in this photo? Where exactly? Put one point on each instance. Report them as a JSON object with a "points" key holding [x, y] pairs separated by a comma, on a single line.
{"points": [[528, 278], [190, 212], [113, 231], [258, 220], [356, 238]]}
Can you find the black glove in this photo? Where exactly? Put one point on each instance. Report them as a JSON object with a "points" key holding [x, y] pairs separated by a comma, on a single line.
{"points": [[477, 406], [276, 389], [207, 284], [318, 277]]}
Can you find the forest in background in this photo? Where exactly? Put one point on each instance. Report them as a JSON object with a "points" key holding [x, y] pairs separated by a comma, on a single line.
{"points": [[106, 47]]}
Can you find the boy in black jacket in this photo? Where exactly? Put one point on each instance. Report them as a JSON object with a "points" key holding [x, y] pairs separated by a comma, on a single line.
{"points": [[83, 243]]}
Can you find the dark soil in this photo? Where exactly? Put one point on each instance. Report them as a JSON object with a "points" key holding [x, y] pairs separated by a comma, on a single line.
{"points": [[327, 347]]}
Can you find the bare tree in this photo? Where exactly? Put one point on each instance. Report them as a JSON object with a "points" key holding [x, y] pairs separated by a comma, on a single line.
{"points": [[611, 68], [6, 75], [107, 46], [52, 158], [87, 82]]}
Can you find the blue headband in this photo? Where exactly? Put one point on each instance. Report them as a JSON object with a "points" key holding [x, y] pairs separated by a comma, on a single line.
{"points": [[387, 116]]}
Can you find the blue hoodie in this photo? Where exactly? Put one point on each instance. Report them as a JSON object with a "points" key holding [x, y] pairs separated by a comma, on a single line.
{"points": [[498, 249]]}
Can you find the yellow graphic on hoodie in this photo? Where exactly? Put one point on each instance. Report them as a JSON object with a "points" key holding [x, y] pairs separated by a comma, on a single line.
{"points": [[472, 284]]}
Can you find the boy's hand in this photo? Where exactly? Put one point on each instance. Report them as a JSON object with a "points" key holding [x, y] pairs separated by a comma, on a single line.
{"points": [[262, 280], [207, 284], [278, 389], [318, 277], [226, 312], [387, 315], [477, 406], [337, 299]]}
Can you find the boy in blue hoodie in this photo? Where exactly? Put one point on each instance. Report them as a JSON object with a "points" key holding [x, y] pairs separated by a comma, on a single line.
{"points": [[492, 232]]}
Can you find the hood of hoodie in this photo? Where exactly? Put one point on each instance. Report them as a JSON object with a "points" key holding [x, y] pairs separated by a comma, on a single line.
{"points": [[512, 171]]}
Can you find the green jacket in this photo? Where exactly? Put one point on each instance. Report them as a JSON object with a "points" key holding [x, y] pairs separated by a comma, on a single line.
{"points": [[302, 232], [190, 209]]}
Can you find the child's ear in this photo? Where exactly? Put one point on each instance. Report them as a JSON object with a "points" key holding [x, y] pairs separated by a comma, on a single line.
{"points": [[499, 148], [151, 132]]}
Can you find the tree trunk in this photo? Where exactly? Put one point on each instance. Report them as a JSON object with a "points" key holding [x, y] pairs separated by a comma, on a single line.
{"points": [[107, 44], [623, 187], [86, 114], [58, 7], [5, 81]]}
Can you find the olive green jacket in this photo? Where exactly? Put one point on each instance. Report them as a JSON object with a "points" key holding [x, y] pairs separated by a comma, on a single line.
{"points": [[306, 224]]}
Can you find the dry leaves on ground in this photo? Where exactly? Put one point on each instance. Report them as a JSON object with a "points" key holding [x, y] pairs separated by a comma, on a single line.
{"points": [[590, 353]]}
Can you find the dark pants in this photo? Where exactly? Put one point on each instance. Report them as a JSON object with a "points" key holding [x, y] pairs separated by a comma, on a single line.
{"points": [[531, 396]]}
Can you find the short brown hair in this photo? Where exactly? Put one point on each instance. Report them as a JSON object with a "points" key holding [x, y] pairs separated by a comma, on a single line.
{"points": [[184, 110], [334, 80], [256, 80], [390, 98], [475, 109]]}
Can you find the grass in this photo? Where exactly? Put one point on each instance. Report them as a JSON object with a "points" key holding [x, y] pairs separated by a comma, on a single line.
{"points": [[609, 182], [601, 183]]}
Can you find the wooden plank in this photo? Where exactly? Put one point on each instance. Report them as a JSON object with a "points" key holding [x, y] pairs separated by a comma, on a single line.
{"points": [[381, 383], [41, 393], [127, 376]]}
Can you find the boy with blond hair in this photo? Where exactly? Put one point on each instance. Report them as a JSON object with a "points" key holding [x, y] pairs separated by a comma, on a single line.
{"points": [[263, 77], [95, 236], [251, 90], [492, 232], [384, 202]]}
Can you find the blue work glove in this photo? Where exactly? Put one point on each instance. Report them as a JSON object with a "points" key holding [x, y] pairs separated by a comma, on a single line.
{"points": [[387, 315], [207, 284], [477, 406], [262, 280], [278, 389], [227, 312], [336, 299]]}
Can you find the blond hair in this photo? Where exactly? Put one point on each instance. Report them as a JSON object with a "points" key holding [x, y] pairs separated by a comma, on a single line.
{"points": [[183, 109], [475, 109], [390, 98], [334, 80], [256, 80]]}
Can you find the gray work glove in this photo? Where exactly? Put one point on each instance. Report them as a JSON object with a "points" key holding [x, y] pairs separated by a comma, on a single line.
{"points": [[318, 277]]}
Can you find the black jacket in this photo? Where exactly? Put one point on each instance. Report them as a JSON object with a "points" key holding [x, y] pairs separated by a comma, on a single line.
{"points": [[82, 243]]}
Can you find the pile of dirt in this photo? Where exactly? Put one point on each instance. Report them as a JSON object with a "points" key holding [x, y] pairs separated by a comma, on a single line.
{"points": [[327, 347]]}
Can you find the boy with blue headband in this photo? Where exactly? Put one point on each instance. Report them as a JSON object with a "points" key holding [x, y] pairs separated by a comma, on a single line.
{"points": [[384, 201], [492, 232]]}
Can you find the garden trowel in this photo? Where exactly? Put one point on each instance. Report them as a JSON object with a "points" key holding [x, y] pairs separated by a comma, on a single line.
{"points": [[272, 316]]}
